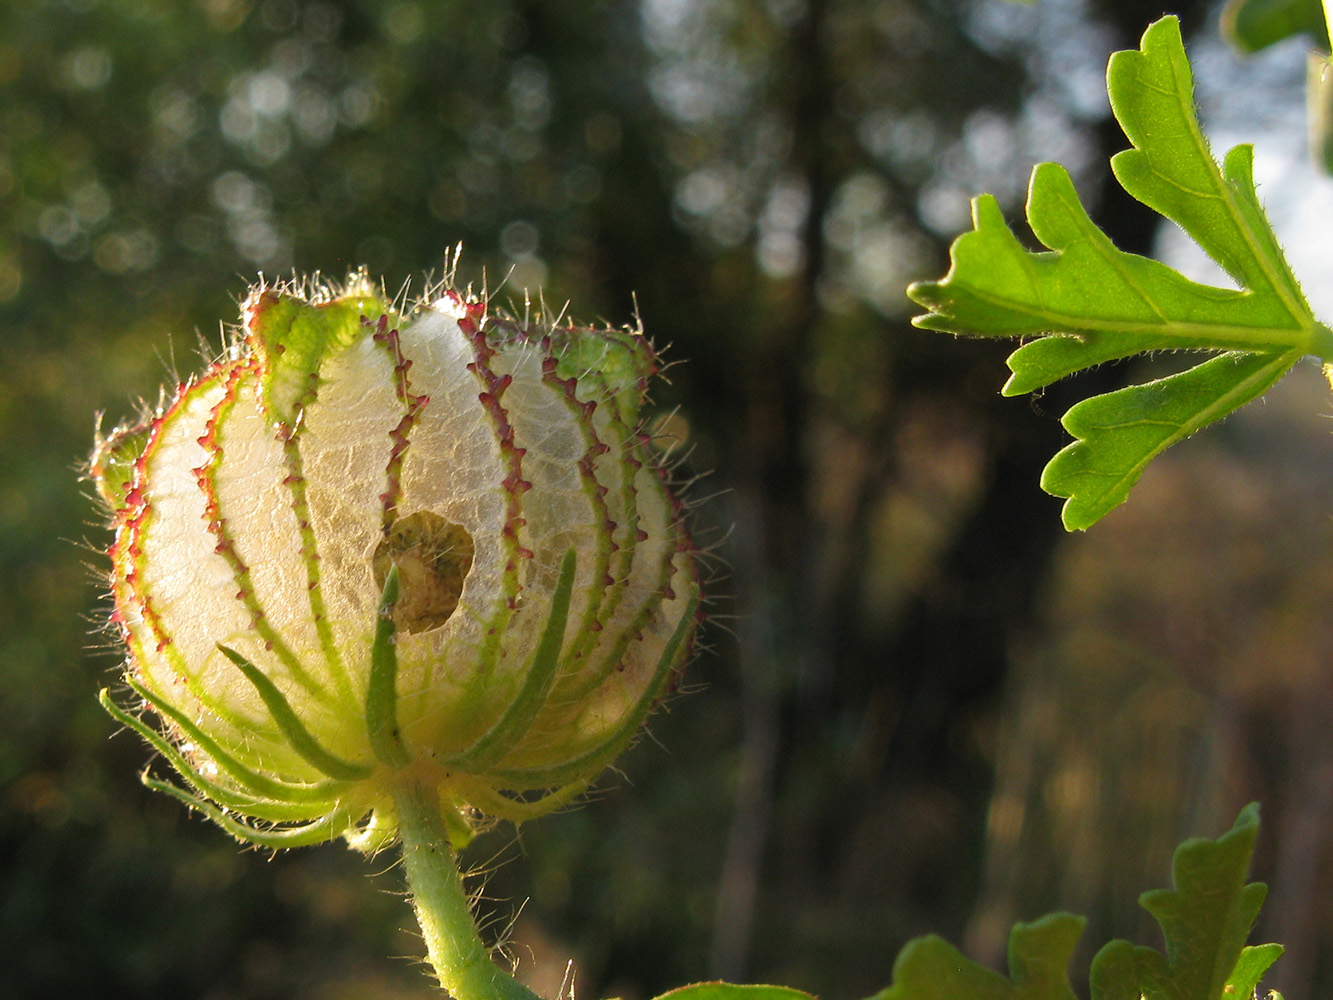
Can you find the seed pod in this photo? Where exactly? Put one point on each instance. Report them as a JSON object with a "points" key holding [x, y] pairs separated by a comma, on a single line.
{"points": [[365, 545]]}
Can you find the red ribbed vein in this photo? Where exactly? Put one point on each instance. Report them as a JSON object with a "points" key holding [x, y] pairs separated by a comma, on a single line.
{"points": [[131, 526], [662, 590], [513, 483], [127, 554], [511, 456], [686, 549], [206, 477], [595, 491], [630, 533], [412, 407]]}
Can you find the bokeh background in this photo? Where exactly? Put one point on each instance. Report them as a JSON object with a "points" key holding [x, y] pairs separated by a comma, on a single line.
{"points": [[923, 708]]}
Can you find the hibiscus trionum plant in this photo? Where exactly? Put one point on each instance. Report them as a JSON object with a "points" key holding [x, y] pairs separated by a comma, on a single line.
{"points": [[388, 571]]}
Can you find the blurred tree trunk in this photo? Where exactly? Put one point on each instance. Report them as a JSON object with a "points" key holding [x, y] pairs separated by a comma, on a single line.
{"points": [[895, 723], [777, 541]]}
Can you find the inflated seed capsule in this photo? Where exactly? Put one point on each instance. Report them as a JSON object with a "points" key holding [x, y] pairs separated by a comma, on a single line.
{"points": [[368, 543]]}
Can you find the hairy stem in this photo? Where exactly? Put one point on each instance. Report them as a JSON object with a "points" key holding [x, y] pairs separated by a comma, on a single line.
{"points": [[453, 945]]}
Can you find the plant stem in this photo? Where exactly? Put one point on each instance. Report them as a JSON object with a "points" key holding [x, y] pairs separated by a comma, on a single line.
{"points": [[453, 945]]}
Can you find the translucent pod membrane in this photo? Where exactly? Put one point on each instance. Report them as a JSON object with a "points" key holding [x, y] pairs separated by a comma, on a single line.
{"points": [[368, 544]]}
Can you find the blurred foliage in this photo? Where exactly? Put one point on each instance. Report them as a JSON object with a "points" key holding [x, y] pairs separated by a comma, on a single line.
{"points": [[1185, 659], [758, 180]]}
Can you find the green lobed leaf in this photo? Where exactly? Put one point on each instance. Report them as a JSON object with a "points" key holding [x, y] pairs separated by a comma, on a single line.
{"points": [[1119, 433], [929, 968], [1095, 303], [1251, 25], [1205, 920], [730, 991], [1254, 962], [1120, 303], [1171, 169]]}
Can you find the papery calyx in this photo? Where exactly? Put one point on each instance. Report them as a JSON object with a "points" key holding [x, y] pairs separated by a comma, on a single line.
{"points": [[441, 495]]}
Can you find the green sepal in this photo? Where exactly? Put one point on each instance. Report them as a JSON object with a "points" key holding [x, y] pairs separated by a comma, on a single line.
{"points": [[929, 968], [298, 736], [386, 742], [328, 827], [375, 834], [1205, 920], [261, 785], [293, 336], [609, 749], [277, 811], [1251, 25], [457, 827], [518, 716], [618, 362], [114, 460], [501, 806]]}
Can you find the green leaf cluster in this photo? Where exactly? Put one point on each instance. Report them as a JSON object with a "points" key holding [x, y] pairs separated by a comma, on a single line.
{"points": [[1088, 302], [1205, 921]]}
